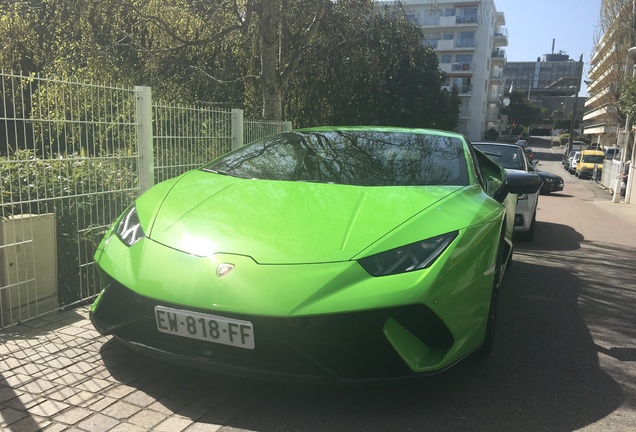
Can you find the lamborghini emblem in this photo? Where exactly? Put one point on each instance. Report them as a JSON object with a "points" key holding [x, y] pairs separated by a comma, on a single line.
{"points": [[224, 269]]}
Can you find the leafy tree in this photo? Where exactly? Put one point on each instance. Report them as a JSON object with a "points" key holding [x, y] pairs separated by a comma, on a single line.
{"points": [[377, 73], [331, 62], [521, 111], [628, 98], [491, 134], [182, 45]]}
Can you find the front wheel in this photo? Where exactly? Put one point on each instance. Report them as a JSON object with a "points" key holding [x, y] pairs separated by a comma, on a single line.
{"points": [[489, 336]]}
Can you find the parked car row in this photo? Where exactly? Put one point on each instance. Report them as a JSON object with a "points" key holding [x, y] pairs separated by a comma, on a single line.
{"points": [[585, 163]]}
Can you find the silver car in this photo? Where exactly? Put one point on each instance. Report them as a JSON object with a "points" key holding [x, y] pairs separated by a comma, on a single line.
{"points": [[572, 161], [512, 157]]}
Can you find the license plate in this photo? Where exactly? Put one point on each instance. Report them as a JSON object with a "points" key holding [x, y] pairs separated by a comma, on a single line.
{"points": [[211, 328]]}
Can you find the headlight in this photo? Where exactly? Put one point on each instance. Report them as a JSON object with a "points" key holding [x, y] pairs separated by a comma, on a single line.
{"points": [[414, 256], [129, 229]]}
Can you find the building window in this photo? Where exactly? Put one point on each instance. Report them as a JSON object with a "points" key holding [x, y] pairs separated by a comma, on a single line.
{"points": [[463, 84], [431, 18], [465, 40], [445, 58], [467, 15], [430, 40]]}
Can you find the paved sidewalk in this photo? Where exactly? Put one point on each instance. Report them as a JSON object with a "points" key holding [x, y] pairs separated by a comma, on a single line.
{"points": [[58, 374]]}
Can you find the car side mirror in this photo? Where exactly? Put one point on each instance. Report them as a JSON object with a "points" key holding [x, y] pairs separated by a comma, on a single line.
{"points": [[517, 182]]}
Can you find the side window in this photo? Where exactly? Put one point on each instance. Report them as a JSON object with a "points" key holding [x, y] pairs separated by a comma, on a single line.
{"points": [[478, 174]]}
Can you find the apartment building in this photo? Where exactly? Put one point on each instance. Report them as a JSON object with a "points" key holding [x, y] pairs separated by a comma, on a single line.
{"points": [[468, 37], [601, 116]]}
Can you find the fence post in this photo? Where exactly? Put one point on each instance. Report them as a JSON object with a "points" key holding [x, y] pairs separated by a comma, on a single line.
{"points": [[144, 137], [237, 128]]}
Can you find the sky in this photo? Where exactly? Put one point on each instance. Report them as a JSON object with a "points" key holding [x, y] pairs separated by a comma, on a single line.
{"points": [[533, 24]]}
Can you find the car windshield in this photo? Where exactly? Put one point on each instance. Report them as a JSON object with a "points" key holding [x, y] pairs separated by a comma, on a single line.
{"points": [[596, 159], [351, 157], [507, 156]]}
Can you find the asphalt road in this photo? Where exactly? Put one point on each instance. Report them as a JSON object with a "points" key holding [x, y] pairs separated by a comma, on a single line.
{"points": [[564, 357]]}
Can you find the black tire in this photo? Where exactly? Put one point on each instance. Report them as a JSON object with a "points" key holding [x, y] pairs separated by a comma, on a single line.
{"points": [[529, 235], [509, 263], [489, 336]]}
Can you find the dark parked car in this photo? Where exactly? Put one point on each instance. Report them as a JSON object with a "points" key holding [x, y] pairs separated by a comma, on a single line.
{"points": [[551, 182], [529, 153]]}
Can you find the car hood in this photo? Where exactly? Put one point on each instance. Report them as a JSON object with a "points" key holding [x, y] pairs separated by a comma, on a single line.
{"points": [[279, 222], [547, 174]]}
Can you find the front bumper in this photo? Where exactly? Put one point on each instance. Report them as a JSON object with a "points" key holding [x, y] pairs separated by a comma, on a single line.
{"points": [[343, 347], [589, 173], [552, 186]]}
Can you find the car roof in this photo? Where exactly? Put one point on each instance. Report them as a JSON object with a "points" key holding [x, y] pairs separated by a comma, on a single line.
{"points": [[502, 144], [394, 129]]}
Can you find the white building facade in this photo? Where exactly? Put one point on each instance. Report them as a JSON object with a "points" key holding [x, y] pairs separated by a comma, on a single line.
{"points": [[468, 38], [601, 119]]}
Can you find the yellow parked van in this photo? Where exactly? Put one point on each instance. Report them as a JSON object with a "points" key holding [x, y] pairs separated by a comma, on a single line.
{"points": [[589, 160]]}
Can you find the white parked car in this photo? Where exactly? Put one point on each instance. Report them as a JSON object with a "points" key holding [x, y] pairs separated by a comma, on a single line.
{"points": [[512, 157], [572, 161]]}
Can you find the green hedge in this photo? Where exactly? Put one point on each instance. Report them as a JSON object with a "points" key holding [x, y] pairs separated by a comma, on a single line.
{"points": [[85, 194]]}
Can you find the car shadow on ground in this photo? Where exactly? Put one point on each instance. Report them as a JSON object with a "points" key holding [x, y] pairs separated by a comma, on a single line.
{"points": [[543, 373], [551, 237]]}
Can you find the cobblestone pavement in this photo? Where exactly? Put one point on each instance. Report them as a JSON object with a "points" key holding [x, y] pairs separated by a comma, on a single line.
{"points": [[58, 374]]}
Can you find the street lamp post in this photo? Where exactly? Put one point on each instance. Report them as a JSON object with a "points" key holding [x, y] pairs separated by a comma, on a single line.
{"points": [[616, 196], [506, 102]]}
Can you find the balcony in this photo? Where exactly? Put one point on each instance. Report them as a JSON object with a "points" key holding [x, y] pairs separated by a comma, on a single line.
{"points": [[599, 112], [462, 67], [497, 78], [495, 97], [492, 115], [501, 19], [468, 19], [466, 43], [465, 90], [498, 56], [501, 37]]}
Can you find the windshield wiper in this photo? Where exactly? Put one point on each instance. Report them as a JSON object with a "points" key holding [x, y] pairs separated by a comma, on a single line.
{"points": [[217, 171]]}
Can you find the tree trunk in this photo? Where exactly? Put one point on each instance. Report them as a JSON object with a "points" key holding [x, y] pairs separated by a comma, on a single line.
{"points": [[270, 78]]}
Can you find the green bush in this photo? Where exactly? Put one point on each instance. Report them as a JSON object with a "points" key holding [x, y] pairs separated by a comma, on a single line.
{"points": [[85, 194]]}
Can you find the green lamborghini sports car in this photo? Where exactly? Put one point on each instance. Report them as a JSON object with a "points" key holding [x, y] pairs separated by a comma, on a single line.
{"points": [[336, 254]]}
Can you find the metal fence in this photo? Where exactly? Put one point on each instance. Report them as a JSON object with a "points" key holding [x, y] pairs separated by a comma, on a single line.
{"points": [[73, 156]]}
